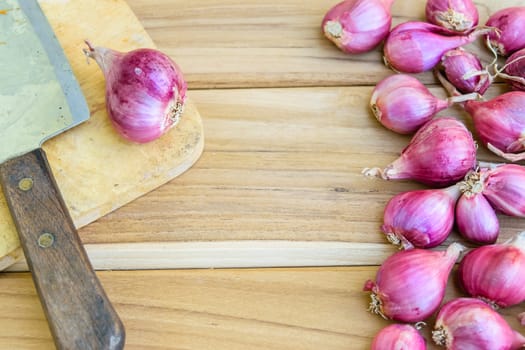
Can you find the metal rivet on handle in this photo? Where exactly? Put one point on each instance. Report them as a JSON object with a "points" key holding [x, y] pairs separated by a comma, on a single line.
{"points": [[46, 240], [25, 184]]}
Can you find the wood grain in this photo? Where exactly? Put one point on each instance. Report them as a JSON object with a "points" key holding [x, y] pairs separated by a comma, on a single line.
{"points": [[280, 164], [253, 43], [78, 310], [229, 254], [248, 309]]}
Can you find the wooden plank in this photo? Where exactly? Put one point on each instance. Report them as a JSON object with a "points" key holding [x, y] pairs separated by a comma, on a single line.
{"points": [[281, 166], [96, 170], [271, 309], [253, 43], [229, 254]]}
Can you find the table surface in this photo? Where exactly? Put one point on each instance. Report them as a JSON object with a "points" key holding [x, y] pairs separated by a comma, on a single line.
{"points": [[281, 107]]}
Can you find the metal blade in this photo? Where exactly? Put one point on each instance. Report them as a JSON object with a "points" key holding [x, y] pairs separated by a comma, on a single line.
{"points": [[39, 94]]}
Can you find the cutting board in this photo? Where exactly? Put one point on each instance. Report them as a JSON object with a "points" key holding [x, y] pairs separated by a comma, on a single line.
{"points": [[97, 171]]}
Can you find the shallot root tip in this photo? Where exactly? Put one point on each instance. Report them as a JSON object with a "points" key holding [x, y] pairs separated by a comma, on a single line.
{"points": [[399, 241], [175, 112], [439, 336], [455, 19], [472, 184], [374, 172], [455, 249], [376, 111], [376, 305], [393, 239], [512, 157], [334, 29]]}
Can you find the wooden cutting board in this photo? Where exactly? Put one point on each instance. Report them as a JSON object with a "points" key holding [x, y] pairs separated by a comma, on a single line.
{"points": [[96, 170]]}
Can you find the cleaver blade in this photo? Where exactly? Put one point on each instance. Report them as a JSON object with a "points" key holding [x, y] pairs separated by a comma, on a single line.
{"points": [[40, 98]]}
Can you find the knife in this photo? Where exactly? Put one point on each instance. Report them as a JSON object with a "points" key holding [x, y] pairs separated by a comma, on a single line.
{"points": [[40, 98]]}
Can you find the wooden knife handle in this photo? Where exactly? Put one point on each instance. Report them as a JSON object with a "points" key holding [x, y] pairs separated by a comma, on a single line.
{"points": [[78, 311]]}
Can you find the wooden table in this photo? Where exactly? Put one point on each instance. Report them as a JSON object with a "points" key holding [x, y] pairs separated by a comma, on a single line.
{"points": [[287, 133]]}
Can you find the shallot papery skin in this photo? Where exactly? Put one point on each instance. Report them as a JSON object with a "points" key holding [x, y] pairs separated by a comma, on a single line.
{"points": [[420, 218], [398, 337], [415, 47], [504, 187], [500, 123], [476, 220], [410, 284], [439, 154], [403, 104], [464, 70], [358, 26], [510, 36], [515, 70], [495, 273], [145, 91], [471, 324], [456, 15]]}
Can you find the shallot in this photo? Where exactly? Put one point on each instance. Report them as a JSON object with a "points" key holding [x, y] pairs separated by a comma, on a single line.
{"points": [[403, 104], [440, 154], [420, 218], [496, 273], [476, 220], [415, 47], [464, 70], [504, 187], [500, 123], [510, 34], [457, 15], [399, 337], [468, 324], [145, 91], [410, 284], [357, 26]]}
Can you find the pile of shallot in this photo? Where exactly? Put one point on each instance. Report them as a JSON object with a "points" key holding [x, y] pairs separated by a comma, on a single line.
{"points": [[465, 194]]}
